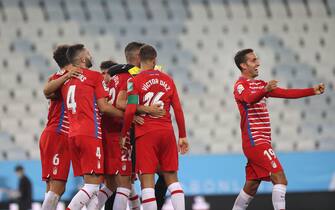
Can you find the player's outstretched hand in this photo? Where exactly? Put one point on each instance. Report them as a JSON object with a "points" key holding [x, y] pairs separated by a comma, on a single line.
{"points": [[319, 89], [183, 145], [73, 72], [272, 84], [122, 142], [156, 110], [139, 120]]}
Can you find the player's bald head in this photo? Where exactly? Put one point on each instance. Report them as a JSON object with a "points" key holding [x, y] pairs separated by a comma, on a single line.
{"points": [[131, 51], [59, 55]]}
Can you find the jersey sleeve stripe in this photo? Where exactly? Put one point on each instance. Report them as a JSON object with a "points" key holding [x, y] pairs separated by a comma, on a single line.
{"points": [[60, 124], [95, 117], [249, 130]]}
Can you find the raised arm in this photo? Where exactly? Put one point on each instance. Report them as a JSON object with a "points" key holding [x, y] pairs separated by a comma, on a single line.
{"points": [[53, 85], [297, 93], [243, 92]]}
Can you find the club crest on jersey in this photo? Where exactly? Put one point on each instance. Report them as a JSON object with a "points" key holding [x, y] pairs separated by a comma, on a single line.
{"points": [[55, 171], [124, 167], [240, 88]]}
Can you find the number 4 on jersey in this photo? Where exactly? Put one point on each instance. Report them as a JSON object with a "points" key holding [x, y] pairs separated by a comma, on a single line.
{"points": [[70, 99]]}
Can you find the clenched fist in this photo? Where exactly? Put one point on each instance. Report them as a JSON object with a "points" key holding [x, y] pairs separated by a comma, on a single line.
{"points": [[272, 84], [319, 89]]}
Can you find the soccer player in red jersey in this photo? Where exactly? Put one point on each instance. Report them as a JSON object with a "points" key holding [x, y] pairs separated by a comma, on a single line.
{"points": [[55, 157], [106, 190], [132, 56], [104, 67], [118, 163], [86, 97], [156, 147], [251, 96]]}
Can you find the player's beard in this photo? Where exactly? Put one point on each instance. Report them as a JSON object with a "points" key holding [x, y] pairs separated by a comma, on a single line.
{"points": [[88, 63]]}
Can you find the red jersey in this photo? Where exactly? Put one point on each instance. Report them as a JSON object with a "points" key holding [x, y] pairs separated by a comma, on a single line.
{"points": [[116, 84], [80, 95], [155, 87], [251, 97], [57, 115]]}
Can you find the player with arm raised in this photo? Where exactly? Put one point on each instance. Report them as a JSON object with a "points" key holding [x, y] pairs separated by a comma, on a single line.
{"points": [[155, 141], [251, 96], [85, 97], [55, 156]]}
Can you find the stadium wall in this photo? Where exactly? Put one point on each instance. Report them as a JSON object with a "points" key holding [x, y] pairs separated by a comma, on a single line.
{"points": [[219, 178]]}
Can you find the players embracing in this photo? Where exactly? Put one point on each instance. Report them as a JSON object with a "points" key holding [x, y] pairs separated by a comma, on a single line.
{"points": [[156, 148], [118, 161], [84, 118]]}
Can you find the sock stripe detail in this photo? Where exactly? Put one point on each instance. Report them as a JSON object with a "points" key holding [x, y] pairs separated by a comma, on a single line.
{"points": [[104, 193], [122, 194], [134, 198], [148, 200], [176, 191], [86, 193]]}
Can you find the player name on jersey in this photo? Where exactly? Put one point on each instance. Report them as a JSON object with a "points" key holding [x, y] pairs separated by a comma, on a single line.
{"points": [[155, 81]]}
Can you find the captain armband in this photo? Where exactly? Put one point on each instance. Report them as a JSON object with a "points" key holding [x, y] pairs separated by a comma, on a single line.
{"points": [[132, 99]]}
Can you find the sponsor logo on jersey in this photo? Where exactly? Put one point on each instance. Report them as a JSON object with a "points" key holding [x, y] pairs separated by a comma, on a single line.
{"points": [[105, 86], [274, 165], [124, 167], [130, 86]]}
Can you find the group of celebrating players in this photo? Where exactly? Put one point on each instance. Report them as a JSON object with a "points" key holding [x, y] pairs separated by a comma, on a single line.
{"points": [[92, 119], [115, 124]]}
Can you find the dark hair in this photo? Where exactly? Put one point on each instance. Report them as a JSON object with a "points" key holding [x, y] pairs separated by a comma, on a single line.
{"points": [[59, 56], [240, 57], [73, 52], [131, 48], [147, 52], [107, 64], [18, 168]]}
